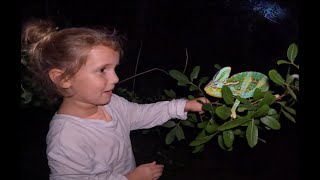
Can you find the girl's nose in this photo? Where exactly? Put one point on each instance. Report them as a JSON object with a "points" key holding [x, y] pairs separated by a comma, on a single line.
{"points": [[115, 78]]}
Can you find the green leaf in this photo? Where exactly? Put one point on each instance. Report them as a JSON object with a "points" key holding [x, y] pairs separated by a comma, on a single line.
{"points": [[268, 99], [207, 107], [288, 116], [291, 93], [238, 132], [202, 124], [180, 77], [217, 66], [233, 123], [187, 123], [282, 103], [273, 113], [201, 140], [228, 138], [223, 112], [243, 107], [250, 114], [271, 122], [190, 97], [170, 136], [289, 109], [201, 134], [256, 122], [243, 100], [262, 111], [276, 77], [246, 104], [193, 87], [227, 95], [283, 62], [199, 101], [258, 94], [221, 144], [169, 124], [252, 134], [198, 148], [289, 79], [203, 79], [193, 117], [170, 93], [179, 133], [292, 52], [212, 128], [182, 83], [194, 73]]}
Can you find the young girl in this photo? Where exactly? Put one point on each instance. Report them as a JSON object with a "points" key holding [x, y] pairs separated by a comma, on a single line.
{"points": [[89, 135]]}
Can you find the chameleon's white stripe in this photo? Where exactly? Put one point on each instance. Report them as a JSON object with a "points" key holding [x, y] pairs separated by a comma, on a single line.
{"points": [[246, 81], [222, 75]]}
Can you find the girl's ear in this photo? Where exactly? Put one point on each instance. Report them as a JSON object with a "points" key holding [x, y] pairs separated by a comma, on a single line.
{"points": [[55, 76]]}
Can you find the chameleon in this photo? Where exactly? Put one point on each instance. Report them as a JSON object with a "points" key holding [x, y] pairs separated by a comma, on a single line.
{"points": [[242, 84]]}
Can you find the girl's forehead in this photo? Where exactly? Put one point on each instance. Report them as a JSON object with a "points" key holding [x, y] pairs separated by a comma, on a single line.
{"points": [[102, 54], [100, 48], [103, 50]]}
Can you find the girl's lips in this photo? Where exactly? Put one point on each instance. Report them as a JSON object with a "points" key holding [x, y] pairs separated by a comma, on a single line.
{"points": [[108, 92]]}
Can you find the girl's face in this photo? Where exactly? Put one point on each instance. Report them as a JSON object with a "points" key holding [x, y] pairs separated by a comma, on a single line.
{"points": [[95, 80]]}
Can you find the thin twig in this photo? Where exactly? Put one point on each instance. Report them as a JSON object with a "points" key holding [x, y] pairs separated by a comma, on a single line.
{"points": [[264, 141], [135, 70], [144, 73], [187, 57], [216, 103], [278, 98], [22, 88]]}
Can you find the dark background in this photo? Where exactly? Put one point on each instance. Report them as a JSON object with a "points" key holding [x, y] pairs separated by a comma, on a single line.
{"points": [[221, 32]]}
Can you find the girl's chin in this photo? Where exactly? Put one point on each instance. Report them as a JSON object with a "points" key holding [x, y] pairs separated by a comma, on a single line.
{"points": [[105, 101]]}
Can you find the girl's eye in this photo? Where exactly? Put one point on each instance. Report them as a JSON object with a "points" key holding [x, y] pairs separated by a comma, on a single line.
{"points": [[102, 70]]}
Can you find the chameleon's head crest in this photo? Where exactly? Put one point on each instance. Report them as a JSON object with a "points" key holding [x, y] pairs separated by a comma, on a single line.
{"points": [[222, 74], [213, 88]]}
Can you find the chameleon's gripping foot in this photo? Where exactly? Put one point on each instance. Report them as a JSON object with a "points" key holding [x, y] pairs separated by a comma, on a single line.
{"points": [[233, 114]]}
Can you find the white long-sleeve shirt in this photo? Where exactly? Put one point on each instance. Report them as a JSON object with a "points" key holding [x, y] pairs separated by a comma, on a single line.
{"points": [[80, 148]]}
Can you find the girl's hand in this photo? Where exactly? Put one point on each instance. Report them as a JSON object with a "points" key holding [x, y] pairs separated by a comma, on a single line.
{"points": [[194, 106], [150, 171]]}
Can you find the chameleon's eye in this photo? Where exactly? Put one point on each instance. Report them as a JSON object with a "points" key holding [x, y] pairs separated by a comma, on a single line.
{"points": [[215, 83]]}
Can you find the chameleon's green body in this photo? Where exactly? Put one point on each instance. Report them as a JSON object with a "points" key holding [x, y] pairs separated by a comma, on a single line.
{"points": [[242, 84]]}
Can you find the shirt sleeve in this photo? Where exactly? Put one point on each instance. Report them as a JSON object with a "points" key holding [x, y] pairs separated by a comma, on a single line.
{"points": [[72, 157], [142, 116], [86, 177]]}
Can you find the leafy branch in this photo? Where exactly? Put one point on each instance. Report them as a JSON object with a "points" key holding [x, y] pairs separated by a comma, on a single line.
{"points": [[257, 114]]}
